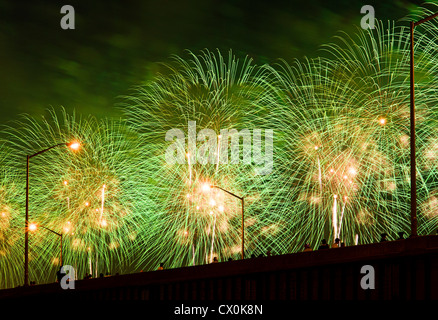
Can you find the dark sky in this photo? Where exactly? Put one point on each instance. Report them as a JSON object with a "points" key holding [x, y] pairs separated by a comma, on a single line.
{"points": [[116, 44]]}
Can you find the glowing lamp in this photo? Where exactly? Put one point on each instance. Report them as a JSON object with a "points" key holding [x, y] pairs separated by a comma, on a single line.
{"points": [[74, 145], [205, 187]]}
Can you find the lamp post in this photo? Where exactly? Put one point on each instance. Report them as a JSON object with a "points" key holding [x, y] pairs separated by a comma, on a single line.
{"points": [[412, 130], [243, 216], [71, 145], [33, 227]]}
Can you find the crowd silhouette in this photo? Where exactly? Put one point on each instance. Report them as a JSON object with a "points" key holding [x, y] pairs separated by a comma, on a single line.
{"points": [[307, 248]]}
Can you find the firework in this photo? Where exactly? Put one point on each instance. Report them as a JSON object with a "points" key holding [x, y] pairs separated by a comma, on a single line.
{"points": [[85, 195], [346, 171], [190, 223], [341, 146], [11, 226]]}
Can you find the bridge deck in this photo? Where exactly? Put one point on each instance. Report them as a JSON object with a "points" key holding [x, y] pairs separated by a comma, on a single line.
{"points": [[404, 269]]}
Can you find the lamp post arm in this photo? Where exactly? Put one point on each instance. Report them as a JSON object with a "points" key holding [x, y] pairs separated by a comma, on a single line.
{"points": [[230, 193], [426, 19], [58, 234], [42, 151], [242, 199]]}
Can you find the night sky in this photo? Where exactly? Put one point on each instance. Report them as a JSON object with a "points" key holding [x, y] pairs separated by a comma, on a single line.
{"points": [[117, 44]]}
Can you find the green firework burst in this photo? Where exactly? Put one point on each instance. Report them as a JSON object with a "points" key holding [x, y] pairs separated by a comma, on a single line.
{"points": [[86, 195]]}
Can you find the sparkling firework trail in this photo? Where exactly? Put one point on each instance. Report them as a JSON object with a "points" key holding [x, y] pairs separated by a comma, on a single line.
{"points": [[342, 217]]}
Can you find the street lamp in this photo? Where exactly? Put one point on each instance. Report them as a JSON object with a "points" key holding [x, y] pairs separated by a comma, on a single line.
{"points": [[243, 216], [74, 145], [412, 130], [34, 227]]}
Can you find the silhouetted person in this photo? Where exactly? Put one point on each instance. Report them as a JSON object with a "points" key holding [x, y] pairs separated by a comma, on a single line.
{"points": [[401, 236], [101, 275], [253, 255], [215, 260], [383, 237], [230, 259], [161, 267], [59, 275], [342, 244], [269, 254], [336, 243], [323, 245], [307, 248]]}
